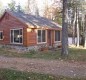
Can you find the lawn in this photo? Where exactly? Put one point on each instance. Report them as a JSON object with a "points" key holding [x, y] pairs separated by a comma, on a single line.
{"points": [[6, 74], [74, 54]]}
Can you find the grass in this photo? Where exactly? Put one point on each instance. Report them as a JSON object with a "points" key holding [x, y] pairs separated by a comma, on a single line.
{"points": [[77, 54], [74, 54], [6, 74]]}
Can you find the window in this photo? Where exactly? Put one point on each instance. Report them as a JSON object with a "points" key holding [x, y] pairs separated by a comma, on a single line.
{"points": [[41, 36], [16, 36], [1, 35], [57, 36]]}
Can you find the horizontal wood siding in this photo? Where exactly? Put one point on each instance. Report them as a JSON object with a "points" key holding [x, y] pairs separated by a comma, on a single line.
{"points": [[31, 37], [25, 37], [9, 22]]}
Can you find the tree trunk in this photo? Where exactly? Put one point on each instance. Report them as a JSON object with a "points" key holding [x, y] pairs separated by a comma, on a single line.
{"points": [[73, 37], [85, 33], [77, 22], [85, 39], [82, 30], [65, 29]]}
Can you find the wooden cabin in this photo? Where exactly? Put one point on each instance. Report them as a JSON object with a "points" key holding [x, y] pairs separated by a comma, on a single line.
{"points": [[26, 30]]}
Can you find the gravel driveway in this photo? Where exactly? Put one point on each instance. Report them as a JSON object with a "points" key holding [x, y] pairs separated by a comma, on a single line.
{"points": [[54, 67]]}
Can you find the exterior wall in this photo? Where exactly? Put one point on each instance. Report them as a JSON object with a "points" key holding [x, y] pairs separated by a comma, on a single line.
{"points": [[25, 37], [32, 40], [29, 35], [9, 22], [53, 42]]}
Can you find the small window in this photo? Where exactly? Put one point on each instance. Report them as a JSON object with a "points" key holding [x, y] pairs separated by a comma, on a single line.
{"points": [[41, 36], [57, 36], [1, 35]]}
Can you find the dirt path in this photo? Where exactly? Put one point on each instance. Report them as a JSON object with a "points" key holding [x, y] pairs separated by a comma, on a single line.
{"points": [[54, 67]]}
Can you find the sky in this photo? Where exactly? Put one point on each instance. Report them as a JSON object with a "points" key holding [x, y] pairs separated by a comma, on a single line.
{"points": [[5, 2], [39, 3], [22, 2]]}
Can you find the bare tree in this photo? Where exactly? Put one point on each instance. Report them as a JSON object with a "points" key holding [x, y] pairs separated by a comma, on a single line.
{"points": [[73, 30], [77, 24], [11, 5], [32, 7]]}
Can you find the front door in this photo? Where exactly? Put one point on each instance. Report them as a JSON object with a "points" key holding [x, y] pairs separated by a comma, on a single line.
{"points": [[50, 38]]}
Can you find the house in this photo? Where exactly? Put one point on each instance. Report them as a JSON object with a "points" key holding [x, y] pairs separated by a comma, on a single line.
{"points": [[26, 30]]}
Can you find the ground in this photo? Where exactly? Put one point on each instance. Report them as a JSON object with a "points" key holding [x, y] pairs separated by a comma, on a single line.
{"points": [[47, 62], [54, 67]]}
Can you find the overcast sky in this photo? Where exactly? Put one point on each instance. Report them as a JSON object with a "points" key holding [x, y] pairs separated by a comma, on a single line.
{"points": [[23, 2], [40, 4], [5, 2]]}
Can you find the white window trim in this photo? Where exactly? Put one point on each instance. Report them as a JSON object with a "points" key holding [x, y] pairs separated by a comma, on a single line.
{"points": [[54, 36], [45, 36], [13, 39], [2, 35]]}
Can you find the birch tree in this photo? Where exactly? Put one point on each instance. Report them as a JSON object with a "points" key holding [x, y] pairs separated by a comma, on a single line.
{"points": [[77, 28], [77, 24]]}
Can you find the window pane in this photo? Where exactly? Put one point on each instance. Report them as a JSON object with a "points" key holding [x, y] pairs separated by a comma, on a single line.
{"points": [[1, 35], [16, 36], [21, 37], [20, 31], [39, 35], [11, 35], [57, 35], [43, 36]]}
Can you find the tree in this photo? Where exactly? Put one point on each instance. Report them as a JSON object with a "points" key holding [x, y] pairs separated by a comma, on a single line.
{"points": [[73, 30], [84, 22], [19, 8], [12, 5], [77, 25], [53, 11], [58, 16], [85, 33], [32, 7], [77, 20], [65, 29]]}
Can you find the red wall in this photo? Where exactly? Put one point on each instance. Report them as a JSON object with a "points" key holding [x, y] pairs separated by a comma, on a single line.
{"points": [[29, 37], [9, 22]]}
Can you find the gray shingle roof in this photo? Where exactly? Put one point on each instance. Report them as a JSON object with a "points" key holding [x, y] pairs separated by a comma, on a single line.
{"points": [[36, 21]]}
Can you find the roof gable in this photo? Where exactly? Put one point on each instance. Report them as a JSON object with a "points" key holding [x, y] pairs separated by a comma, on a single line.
{"points": [[2, 16]]}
